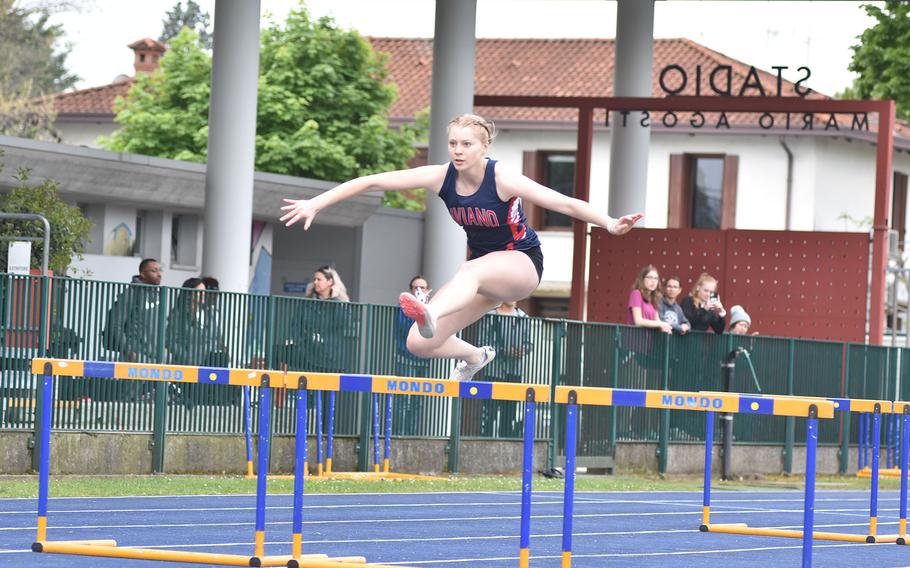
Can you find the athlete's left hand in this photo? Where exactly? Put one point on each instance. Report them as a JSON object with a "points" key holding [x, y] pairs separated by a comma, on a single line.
{"points": [[299, 209], [625, 223]]}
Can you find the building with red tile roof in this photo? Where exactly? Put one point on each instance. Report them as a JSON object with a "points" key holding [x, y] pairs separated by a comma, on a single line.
{"points": [[804, 173]]}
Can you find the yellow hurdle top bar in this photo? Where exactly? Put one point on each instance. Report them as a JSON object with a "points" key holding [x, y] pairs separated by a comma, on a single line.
{"points": [[389, 384], [156, 372], [845, 404], [700, 401]]}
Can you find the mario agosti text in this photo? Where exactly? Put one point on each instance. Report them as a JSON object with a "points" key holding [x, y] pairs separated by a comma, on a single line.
{"points": [[719, 81]]}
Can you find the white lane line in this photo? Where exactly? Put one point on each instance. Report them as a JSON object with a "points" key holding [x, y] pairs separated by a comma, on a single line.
{"points": [[369, 506], [280, 507], [694, 513], [484, 561], [421, 539], [581, 499]]}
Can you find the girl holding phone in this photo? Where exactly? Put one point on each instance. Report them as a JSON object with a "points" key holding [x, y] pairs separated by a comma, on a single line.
{"points": [[703, 307]]}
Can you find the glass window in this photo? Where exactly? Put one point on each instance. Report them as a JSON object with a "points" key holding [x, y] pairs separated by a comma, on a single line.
{"points": [[138, 242], [183, 240], [559, 174], [707, 192]]}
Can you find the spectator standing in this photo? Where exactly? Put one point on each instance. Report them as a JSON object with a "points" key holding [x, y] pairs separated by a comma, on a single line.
{"points": [[316, 334], [406, 363], [406, 410], [132, 323], [671, 312], [644, 300], [193, 336], [740, 322], [703, 307], [511, 334]]}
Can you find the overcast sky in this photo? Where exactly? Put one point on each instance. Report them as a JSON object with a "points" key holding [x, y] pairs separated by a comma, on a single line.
{"points": [[763, 33]]}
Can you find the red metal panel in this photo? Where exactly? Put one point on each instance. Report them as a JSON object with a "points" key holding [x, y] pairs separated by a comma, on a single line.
{"points": [[884, 110], [792, 283]]}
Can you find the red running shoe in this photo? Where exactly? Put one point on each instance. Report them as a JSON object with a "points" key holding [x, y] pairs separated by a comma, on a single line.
{"points": [[418, 311]]}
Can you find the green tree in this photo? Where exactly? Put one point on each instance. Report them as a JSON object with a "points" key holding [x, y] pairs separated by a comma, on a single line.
{"points": [[193, 17], [322, 110], [882, 58], [69, 228], [34, 60], [23, 117]]}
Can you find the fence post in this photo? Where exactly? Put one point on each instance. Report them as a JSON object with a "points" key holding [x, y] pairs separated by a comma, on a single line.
{"points": [[729, 369], [664, 434], [843, 456], [789, 421], [159, 424], [270, 363], [614, 383], [555, 375], [43, 331], [365, 404]]}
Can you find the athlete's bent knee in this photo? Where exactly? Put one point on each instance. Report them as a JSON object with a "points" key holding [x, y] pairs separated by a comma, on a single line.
{"points": [[419, 346]]}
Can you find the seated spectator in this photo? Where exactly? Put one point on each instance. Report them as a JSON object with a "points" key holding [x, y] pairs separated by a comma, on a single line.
{"points": [[644, 301], [703, 307], [670, 311], [740, 322]]}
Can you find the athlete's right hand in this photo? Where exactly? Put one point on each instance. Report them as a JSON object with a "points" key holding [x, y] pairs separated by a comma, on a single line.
{"points": [[298, 209]]}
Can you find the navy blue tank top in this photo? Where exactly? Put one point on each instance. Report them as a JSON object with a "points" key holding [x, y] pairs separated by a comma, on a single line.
{"points": [[490, 223]]}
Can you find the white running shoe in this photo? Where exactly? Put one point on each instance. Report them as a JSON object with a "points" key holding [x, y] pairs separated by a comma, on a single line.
{"points": [[465, 371], [418, 311]]}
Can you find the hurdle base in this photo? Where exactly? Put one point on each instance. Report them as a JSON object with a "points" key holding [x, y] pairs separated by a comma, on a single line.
{"points": [[376, 475], [892, 472], [39, 546], [902, 540], [109, 549], [306, 562], [742, 528]]}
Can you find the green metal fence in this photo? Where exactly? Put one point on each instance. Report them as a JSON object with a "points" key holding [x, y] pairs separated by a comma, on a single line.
{"points": [[93, 320]]}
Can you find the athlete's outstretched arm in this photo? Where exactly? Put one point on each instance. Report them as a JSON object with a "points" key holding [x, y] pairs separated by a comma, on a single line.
{"points": [[511, 184], [430, 177]]}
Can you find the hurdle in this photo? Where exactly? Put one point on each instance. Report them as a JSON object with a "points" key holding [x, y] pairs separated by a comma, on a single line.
{"points": [[891, 453], [811, 409], [390, 385], [381, 444], [874, 408], [265, 380], [325, 430]]}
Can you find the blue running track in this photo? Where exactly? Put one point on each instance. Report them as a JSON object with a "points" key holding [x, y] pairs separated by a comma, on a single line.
{"points": [[470, 530]]}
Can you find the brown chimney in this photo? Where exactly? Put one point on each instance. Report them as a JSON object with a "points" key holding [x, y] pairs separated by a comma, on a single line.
{"points": [[148, 53]]}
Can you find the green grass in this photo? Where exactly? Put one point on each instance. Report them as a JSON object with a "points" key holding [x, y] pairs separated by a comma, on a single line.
{"points": [[150, 485]]}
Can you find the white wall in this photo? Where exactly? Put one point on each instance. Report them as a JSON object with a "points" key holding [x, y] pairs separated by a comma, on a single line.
{"points": [[391, 253], [82, 134], [298, 253], [123, 268]]}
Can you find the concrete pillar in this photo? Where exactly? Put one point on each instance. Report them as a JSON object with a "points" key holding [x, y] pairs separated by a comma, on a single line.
{"points": [[232, 144], [452, 95], [632, 78]]}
